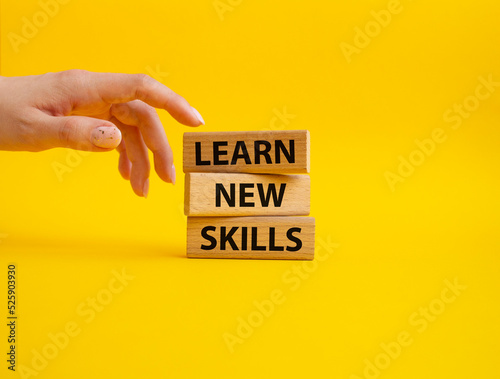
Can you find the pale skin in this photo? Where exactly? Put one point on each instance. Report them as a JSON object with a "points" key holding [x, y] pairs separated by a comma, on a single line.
{"points": [[96, 112]]}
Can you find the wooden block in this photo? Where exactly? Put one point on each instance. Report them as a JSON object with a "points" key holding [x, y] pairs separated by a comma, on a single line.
{"points": [[251, 237], [246, 195], [278, 152]]}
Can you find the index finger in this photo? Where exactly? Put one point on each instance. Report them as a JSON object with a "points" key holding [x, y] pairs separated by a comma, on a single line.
{"points": [[121, 88]]}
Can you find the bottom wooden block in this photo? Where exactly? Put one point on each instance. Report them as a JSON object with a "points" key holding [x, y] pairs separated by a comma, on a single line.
{"points": [[251, 237]]}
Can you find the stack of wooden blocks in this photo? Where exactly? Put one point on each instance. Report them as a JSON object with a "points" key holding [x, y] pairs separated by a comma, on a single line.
{"points": [[241, 201]]}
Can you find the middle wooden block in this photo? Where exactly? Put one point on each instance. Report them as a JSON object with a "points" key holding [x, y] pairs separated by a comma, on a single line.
{"points": [[216, 194]]}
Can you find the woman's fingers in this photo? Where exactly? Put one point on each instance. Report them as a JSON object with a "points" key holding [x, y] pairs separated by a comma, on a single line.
{"points": [[130, 101], [121, 88], [124, 164], [144, 117], [76, 132], [137, 154]]}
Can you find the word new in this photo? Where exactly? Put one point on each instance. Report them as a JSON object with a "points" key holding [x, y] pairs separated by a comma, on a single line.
{"points": [[265, 198]]}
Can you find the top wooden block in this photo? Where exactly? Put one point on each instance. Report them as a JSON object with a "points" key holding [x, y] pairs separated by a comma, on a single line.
{"points": [[263, 152]]}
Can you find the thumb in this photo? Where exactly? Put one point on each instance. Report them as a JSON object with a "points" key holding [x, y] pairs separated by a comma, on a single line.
{"points": [[83, 133]]}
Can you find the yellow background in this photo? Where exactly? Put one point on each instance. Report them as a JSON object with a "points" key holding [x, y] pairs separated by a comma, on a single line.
{"points": [[395, 248]]}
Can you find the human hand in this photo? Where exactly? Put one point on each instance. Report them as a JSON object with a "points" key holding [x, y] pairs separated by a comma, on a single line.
{"points": [[94, 112]]}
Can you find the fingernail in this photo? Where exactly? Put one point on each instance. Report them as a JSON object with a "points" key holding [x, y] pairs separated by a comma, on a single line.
{"points": [[145, 189], [198, 116], [106, 137], [172, 174]]}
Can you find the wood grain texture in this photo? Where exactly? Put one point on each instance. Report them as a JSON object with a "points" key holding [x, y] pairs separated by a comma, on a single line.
{"points": [[213, 237], [239, 152], [216, 194]]}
